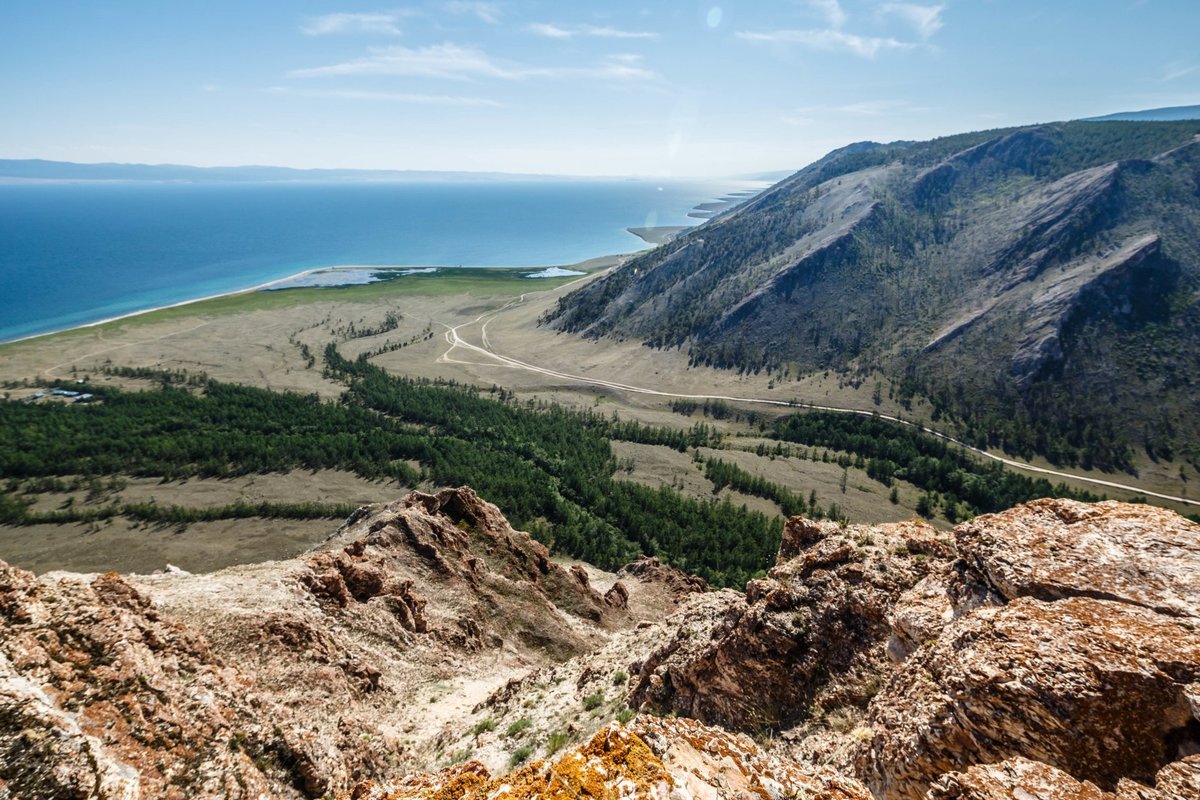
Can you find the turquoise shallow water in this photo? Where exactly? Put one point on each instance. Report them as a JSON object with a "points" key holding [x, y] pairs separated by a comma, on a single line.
{"points": [[77, 253]]}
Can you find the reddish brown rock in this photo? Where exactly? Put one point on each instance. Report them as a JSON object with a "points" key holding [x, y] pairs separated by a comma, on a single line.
{"points": [[1033, 780], [102, 697], [617, 596], [1051, 549], [815, 629], [1099, 689], [650, 570]]}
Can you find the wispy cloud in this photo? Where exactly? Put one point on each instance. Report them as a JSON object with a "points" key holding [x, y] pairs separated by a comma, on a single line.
{"points": [[830, 40], [1178, 70], [453, 62], [385, 22], [548, 30], [389, 97], [925, 20], [488, 12], [448, 61], [806, 115], [831, 10], [600, 31]]}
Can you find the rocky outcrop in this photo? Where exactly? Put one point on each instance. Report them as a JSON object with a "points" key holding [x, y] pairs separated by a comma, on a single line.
{"points": [[1053, 549], [649, 759], [811, 634], [678, 583], [292, 678], [1050, 652], [1066, 636], [101, 696], [1022, 778]]}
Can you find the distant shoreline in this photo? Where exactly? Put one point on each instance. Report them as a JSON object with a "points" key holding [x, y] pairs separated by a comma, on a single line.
{"points": [[651, 235], [273, 285]]}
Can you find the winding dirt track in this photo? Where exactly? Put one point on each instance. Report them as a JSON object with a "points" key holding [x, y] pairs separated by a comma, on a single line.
{"points": [[455, 341]]}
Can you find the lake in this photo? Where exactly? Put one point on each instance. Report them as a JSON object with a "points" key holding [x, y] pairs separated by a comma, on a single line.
{"points": [[81, 252]]}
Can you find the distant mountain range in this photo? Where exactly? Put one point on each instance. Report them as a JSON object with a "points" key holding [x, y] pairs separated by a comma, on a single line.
{"points": [[41, 170], [1039, 285], [1169, 114]]}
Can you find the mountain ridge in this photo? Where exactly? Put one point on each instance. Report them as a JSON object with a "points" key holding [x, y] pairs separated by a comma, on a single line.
{"points": [[866, 261]]}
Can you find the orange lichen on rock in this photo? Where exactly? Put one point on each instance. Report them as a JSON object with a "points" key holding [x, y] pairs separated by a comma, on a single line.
{"points": [[651, 759], [615, 763]]}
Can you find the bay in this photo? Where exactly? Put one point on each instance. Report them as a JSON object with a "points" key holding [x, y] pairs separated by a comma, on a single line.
{"points": [[75, 253]]}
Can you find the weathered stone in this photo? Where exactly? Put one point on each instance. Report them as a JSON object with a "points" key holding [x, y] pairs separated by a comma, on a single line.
{"points": [[1022, 779], [650, 570], [1097, 688], [816, 627], [1051, 549]]}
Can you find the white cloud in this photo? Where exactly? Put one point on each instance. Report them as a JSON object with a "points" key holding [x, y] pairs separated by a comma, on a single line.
{"points": [[488, 12], [447, 61], [385, 22], [599, 31], [453, 62], [831, 10], [391, 97], [548, 30], [925, 20], [1177, 70], [831, 40]]}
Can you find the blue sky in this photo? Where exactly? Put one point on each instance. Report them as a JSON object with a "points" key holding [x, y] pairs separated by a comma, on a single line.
{"points": [[591, 88]]}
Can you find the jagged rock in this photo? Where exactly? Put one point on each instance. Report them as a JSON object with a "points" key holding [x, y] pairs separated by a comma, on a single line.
{"points": [[815, 627], [1052, 549], [100, 696], [801, 533], [650, 570], [1033, 780], [650, 759], [1096, 688], [617, 596], [1067, 635]]}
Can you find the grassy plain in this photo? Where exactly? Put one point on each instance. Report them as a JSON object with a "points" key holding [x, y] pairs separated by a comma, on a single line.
{"points": [[274, 340]]}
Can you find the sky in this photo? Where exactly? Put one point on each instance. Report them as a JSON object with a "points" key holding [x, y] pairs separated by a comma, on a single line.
{"points": [[671, 88]]}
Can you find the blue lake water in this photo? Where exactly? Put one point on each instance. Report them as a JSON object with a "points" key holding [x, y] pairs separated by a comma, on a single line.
{"points": [[77, 253]]}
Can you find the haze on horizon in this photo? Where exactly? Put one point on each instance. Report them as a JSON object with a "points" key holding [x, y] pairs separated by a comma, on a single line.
{"points": [[679, 88]]}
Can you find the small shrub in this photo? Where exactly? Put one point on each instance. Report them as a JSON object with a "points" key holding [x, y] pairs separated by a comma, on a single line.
{"points": [[619, 677], [518, 727], [458, 756], [520, 755], [593, 701], [556, 742], [483, 726], [625, 714]]}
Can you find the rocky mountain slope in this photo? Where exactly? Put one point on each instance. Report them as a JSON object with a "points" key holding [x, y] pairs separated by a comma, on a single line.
{"points": [[1039, 285], [427, 650]]}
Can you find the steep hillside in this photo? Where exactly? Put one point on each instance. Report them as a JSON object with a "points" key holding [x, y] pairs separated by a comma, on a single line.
{"points": [[1038, 285]]}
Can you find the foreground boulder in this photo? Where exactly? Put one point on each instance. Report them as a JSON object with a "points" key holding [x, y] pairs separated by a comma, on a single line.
{"points": [[813, 632], [1033, 780], [1052, 549], [1065, 636], [102, 697]]}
